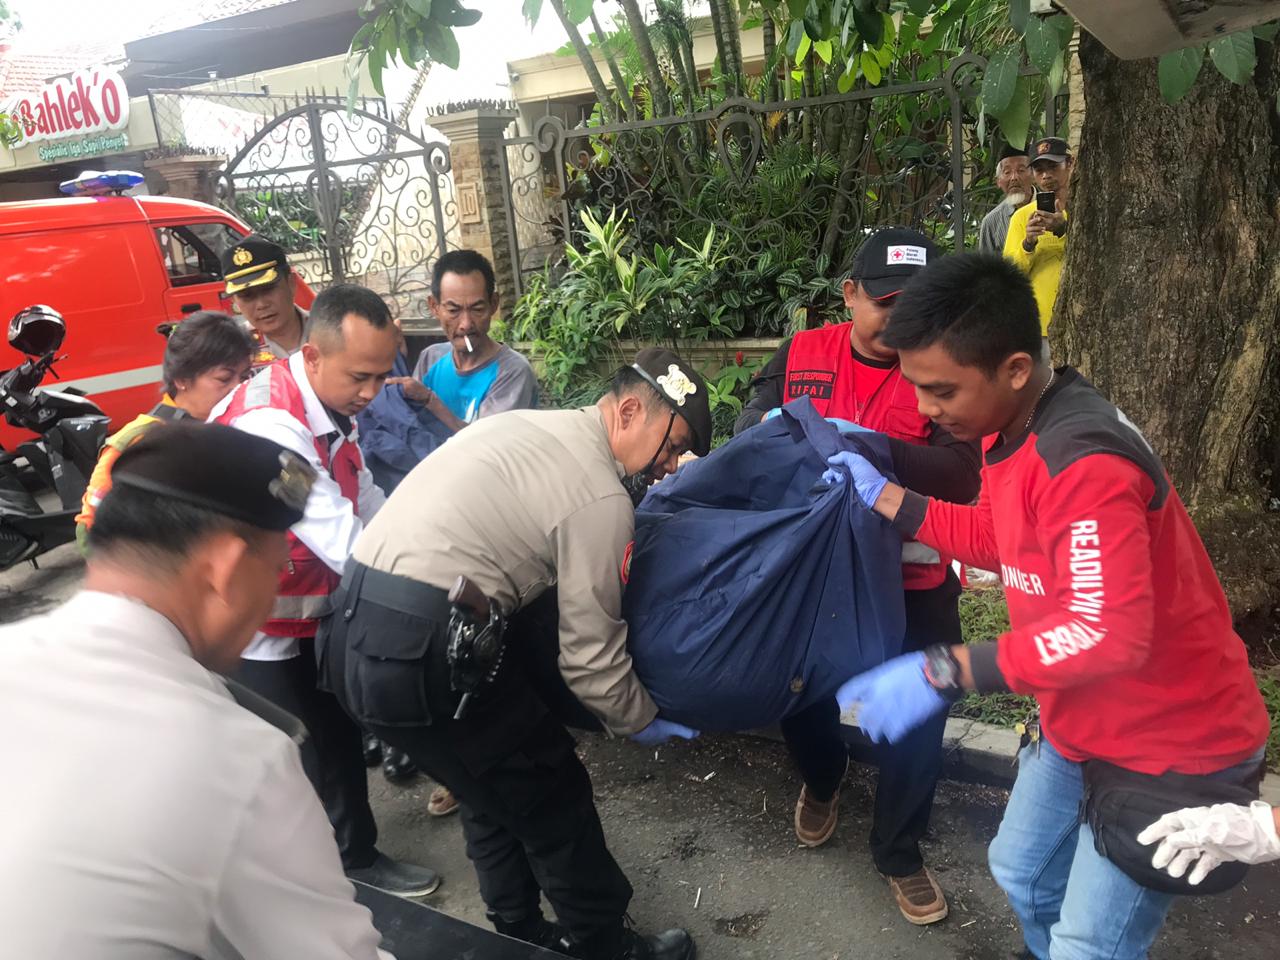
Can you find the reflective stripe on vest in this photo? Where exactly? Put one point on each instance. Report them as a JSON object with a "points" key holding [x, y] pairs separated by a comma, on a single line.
{"points": [[306, 583], [821, 366]]}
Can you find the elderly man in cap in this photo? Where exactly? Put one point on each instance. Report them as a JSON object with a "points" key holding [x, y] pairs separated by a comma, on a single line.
{"points": [[1013, 177], [517, 503], [263, 287], [849, 374], [306, 403], [1037, 239], [198, 835]]}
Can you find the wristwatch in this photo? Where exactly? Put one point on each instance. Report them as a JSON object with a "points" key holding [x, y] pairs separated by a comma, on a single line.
{"points": [[942, 670]]}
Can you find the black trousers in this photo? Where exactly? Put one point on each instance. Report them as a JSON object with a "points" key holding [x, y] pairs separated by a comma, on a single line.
{"points": [[528, 813], [332, 754], [909, 769]]}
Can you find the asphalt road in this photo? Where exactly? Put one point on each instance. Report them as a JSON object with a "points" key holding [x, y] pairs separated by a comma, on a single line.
{"points": [[704, 831]]}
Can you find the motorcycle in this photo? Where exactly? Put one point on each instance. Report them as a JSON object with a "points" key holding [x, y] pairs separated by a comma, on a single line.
{"points": [[71, 429]]}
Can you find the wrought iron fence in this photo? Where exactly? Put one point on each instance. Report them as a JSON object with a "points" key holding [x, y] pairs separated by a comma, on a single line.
{"points": [[790, 187], [352, 197]]}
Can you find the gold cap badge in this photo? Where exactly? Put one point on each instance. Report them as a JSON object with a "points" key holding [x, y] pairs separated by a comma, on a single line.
{"points": [[241, 256], [676, 384]]}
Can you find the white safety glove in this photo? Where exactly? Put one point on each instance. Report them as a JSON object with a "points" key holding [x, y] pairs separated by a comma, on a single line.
{"points": [[1208, 836]]}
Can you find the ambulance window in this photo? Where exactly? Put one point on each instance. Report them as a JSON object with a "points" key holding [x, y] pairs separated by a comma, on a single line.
{"points": [[191, 252]]}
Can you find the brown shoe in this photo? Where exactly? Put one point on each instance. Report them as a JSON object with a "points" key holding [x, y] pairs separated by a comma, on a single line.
{"points": [[442, 802], [919, 897], [815, 820]]}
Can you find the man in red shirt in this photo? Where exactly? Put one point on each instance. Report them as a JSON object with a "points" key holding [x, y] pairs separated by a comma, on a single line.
{"points": [[849, 373], [1119, 627]]}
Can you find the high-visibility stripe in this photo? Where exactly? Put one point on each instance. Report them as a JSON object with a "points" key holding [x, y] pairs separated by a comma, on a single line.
{"points": [[304, 607], [913, 551], [107, 382]]}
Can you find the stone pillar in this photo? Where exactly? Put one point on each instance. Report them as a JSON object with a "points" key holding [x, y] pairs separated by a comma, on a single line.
{"points": [[479, 193], [189, 176]]}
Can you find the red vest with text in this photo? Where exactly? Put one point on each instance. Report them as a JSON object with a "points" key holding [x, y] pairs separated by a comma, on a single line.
{"points": [[306, 582], [820, 366]]}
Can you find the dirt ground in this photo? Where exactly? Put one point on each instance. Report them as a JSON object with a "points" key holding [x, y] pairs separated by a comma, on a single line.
{"points": [[703, 830]]}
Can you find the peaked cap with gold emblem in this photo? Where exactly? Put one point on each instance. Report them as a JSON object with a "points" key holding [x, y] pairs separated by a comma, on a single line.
{"points": [[253, 262], [683, 388], [222, 469]]}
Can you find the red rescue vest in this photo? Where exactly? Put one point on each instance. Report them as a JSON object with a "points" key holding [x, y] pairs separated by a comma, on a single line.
{"points": [[306, 582], [820, 366]]}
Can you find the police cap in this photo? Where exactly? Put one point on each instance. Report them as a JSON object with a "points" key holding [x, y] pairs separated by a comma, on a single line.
{"points": [[683, 388], [253, 262], [221, 469]]}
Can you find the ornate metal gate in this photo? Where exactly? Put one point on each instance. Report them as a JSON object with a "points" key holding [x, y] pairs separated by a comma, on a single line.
{"points": [[350, 196]]}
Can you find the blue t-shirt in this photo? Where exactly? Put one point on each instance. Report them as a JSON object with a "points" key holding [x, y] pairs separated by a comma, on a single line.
{"points": [[506, 382]]}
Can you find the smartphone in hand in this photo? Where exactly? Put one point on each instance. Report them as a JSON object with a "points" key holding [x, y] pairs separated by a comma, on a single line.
{"points": [[1046, 201]]}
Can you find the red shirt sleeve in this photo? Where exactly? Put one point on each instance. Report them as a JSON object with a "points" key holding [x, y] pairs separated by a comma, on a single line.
{"points": [[1091, 521], [963, 532]]}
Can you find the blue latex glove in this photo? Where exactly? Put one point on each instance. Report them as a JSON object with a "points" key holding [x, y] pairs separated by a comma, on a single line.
{"points": [[867, 480], [773, 413], [848, 426], [660, 731], [896, 698]]}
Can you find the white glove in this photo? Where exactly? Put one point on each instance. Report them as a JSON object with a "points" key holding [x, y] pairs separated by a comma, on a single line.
{"points": [[1208, 836]]}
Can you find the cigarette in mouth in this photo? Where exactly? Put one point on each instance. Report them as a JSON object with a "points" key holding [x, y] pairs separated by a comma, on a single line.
{"points": [[467, 341]]}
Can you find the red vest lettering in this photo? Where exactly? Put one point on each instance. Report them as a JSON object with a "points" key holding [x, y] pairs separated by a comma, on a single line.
{"points": [[306, 583]]}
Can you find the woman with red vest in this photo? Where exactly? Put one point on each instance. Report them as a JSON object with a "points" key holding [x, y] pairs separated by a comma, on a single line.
{"points": [[849, 374], [307, 404]]}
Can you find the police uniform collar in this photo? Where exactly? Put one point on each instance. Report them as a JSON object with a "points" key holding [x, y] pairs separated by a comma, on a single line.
{"points": [[597, 418], [148, 627]]}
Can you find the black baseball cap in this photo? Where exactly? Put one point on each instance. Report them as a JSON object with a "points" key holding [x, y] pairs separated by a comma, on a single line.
{"points": [[253, 262], [889, 258], [684, 390], [1011, 151], [219, 468], [1050, 148]]}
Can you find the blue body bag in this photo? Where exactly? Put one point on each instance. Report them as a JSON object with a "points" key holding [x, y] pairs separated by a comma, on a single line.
{"points": [[754, 588]]}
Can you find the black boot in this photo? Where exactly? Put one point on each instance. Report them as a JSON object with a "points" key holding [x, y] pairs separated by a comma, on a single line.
{"points": [[372, 750], [396, 765], [625, 944], [535, 929]]}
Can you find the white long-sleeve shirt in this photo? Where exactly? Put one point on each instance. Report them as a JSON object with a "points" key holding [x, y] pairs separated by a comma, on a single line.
{"points": [[149, 816], [331, 523]]}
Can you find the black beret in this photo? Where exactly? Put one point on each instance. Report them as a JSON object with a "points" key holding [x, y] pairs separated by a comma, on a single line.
{"points": [[222, 469], [683, 388], [253, 262]]}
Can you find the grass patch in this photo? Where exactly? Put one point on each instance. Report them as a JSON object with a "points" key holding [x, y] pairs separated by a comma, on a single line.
{"points": [[984, 616]]}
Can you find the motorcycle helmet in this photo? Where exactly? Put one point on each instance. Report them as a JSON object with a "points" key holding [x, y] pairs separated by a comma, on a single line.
{"points": [[37, 330]]}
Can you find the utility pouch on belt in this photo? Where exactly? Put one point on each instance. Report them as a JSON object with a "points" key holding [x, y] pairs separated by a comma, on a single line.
{"points": [[476, 628], [1119, 804]]}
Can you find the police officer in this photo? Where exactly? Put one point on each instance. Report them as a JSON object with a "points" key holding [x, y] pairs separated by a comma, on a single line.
{"points": [[516, 503], [263, 287], [198, 833]]}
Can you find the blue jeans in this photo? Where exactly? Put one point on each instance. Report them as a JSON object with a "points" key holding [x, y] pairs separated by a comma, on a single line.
{"points": [[1072, 902]]}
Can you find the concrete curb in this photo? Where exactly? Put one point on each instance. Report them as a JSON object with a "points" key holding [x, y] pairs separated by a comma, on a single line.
{"points": [[975, 752]]}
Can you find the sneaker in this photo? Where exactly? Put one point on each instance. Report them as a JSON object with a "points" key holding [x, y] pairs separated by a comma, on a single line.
{"points": [[394, 876], [815, 819], [442, 802], [919, 897]]}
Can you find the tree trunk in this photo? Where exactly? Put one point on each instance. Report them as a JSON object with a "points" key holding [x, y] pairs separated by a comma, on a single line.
{"points": [[652, 71], [770, 51], [588, 62], [717, 31], [1171, 290], [732, 39], [619, 84]]}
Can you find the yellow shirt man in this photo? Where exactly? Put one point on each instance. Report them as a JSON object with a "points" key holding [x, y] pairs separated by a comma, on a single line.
{"points": [[1043, 265]]}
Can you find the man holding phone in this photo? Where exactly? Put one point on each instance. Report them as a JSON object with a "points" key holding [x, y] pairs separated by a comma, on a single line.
{"points": [[1037, 238]]}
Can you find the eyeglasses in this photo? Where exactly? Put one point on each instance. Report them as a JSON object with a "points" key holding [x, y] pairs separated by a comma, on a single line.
{"points": [[479, 310]]}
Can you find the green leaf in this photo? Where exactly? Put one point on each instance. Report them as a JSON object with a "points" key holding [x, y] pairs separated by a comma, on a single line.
{"points": [[441, 44], [1019, 12], [823, 49], [845, 83], [870, 26], [1065, 25], [578, 10], [1177, 72], [870, 67], [920, 8], [1001, 78], [1266, 32], [1058, 74], [456, 15], [802, 51], [797, 8], [1043, 44], [910, 30], [421, 7], [1235, 56], [361, 40], [1015, 120], [794, 33], [532, 9]]}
